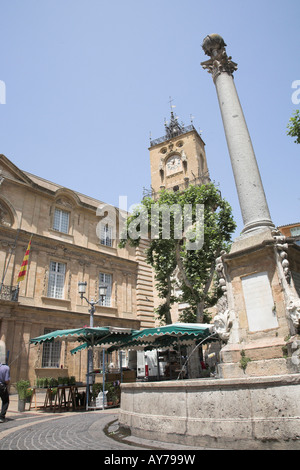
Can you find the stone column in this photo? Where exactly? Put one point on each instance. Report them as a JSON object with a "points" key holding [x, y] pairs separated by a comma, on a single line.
{"points": [[253, 317], [252, 199]]}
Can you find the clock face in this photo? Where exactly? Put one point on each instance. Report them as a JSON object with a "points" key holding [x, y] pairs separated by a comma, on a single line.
{"points": [[173, 164]]}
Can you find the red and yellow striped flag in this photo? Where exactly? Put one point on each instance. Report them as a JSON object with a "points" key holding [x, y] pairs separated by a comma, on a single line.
{"points": [[24, 265]]}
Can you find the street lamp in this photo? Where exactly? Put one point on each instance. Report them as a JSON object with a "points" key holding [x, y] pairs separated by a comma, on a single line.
{"points": [[92, 303]]}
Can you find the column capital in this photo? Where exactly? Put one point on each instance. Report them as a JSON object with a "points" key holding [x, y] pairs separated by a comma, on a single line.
{"points": [[219, 62]]}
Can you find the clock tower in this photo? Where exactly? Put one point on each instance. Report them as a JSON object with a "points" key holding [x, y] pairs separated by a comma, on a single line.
{"points": [[178, 158]]}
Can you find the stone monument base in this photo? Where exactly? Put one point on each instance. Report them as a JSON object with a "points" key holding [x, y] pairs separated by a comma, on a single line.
{"points": [[260, 413], [256, 359], [259, 294]]}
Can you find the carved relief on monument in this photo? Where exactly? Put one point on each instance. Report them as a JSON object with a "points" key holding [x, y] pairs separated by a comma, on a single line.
{"points": [[223, 321], [293, 309], [282, 248]]}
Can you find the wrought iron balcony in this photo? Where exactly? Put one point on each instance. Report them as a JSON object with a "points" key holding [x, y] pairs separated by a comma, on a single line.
{"points": [[10, 293]]}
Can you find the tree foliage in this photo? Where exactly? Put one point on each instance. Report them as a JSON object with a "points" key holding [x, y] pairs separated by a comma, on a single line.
{"points": [[185, 275], [294, 126]]}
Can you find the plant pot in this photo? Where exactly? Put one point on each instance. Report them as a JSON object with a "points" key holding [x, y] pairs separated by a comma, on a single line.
{"points": [[21, 404]]}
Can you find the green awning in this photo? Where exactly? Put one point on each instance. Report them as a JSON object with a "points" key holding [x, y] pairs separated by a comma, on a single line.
{"points": [[125, 338], [86, 335], [177, 330], [167, 336]]}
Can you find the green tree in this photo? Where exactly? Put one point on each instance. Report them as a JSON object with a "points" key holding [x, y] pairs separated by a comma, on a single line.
{"points": [[294, 126], [191, 271]]}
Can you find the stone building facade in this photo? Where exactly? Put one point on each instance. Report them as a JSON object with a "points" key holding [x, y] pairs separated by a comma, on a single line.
{"points": [[70, 243]]}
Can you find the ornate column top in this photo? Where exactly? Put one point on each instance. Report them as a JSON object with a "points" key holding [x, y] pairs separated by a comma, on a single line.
{"points": [[219, 62]]}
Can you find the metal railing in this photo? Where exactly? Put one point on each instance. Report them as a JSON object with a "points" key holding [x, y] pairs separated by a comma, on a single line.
{"points": [[10, 293], [183, 130]]}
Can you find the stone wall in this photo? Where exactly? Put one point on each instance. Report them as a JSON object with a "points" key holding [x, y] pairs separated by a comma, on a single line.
{"points": [[246, 413]]}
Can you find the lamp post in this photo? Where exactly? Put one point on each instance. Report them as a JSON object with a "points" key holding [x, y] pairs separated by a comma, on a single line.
{"points": [[92, 303]]}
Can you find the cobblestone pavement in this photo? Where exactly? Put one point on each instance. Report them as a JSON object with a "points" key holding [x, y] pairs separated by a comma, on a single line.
{"points": [[40, 430], [67, 431], [80, 430]]}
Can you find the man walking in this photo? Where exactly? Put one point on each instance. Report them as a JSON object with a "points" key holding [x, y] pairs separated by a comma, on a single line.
{"points": [[4, 383]]}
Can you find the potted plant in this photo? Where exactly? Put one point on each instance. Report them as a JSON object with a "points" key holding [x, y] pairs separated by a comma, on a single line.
{"points": [[43, 382], [60, 381], [52, 382], [72, 380], [24, 393], [37, 382], [96, 388], [112, 394]]}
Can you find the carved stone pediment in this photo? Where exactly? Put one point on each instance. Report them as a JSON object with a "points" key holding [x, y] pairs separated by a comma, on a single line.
{"points": [[64, 202], [5, 216]]}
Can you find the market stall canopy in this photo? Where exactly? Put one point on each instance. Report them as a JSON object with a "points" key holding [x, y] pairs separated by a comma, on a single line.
{"points": [[161, 337], [126, 338], [169, 335], [86, 335]]}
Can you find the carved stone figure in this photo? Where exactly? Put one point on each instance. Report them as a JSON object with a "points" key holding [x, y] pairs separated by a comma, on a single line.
{"points": [[223, 322], [293, 309]]}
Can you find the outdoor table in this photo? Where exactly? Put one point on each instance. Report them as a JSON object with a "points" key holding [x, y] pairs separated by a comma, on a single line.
{"points": [[33, 397], [64, 399]]}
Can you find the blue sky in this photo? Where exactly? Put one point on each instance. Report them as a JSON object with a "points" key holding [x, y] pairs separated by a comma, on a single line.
{"points": [[87, 81]]}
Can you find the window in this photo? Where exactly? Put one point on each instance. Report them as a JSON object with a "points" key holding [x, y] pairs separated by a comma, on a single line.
{"points": [[295, 231], [106, 279], [61, 221], [51, 352], [56, 280], [105, 235]]}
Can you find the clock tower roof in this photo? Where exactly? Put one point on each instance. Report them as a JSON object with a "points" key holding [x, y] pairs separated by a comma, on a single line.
{"points": [[173, 129]]}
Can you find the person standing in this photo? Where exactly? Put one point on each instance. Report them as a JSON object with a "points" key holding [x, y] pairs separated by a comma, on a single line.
{"points": [[4, 383]]}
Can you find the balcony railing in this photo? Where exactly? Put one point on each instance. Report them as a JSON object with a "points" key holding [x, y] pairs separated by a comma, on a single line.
{"points": [[10, 293], [175, 133]]}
